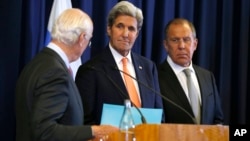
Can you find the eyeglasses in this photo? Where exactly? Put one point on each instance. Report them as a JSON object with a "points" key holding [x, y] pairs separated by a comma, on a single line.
{"points": [[89, 45]]}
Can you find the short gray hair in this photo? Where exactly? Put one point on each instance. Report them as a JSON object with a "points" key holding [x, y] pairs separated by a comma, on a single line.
{"points": [[180, 21], [125, 8], [69, 25]]}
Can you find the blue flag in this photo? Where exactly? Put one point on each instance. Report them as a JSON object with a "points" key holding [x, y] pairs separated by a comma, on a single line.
{"points": [[58, 7]]}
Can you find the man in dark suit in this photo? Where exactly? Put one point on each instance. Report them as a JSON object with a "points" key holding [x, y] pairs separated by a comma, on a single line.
{"points": [[99, 80], [180, 43], [48, 103]]}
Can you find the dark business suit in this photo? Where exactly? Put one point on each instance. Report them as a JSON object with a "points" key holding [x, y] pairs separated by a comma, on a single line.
{"points": [[48, 104], [97, 86], [211, 112]]}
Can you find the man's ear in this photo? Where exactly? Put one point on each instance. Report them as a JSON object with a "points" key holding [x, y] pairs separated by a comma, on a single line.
{"points": [[165, 44], [81, 39], [108, 30], [195, 43], [137, 33]]}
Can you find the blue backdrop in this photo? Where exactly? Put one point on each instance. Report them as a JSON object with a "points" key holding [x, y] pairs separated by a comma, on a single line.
{"points": [[222, 29]]}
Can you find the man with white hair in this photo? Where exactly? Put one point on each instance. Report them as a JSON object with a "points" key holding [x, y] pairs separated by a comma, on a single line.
{"points": [[48, 104]]}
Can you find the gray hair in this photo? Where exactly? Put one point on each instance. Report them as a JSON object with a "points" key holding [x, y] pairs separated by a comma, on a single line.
{"points": [[180, 21], [69, 25], [125, 8]]}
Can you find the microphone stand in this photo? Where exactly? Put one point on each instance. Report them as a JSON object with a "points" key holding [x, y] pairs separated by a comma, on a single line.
{"points": [[165, 98]]}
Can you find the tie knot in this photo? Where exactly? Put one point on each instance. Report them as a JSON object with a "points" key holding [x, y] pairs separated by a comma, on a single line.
{"points": [[187, 72], [124, 61]]}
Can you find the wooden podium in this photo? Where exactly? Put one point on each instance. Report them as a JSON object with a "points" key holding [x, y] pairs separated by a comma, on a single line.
{"points": [[177, 132]]}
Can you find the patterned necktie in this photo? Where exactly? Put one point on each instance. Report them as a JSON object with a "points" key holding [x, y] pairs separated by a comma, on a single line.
{"points": [[193, 95], [130, 84]]}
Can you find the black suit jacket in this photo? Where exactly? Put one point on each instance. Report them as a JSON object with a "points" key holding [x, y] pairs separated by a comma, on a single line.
{"points": [[104, 84], [211, 111], [48, 104]]}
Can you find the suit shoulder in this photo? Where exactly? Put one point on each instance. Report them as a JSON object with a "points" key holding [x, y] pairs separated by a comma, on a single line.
{"points": [[142, 58], [202, 70], [98, 60]]}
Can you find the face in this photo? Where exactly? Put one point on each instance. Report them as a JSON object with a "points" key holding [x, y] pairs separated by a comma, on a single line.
{"points": [[123, 34], [180, 44]]}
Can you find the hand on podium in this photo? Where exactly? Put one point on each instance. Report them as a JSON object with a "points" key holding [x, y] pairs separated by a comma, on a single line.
{"points": [[101, 132]]}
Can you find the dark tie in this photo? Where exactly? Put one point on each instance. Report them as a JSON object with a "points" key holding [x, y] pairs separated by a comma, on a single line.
{"points": [[70, 71], [130, 85], [193, 95]]}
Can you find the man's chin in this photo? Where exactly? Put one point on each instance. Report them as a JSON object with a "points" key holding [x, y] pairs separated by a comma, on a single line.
{"points": [[183, 62]]}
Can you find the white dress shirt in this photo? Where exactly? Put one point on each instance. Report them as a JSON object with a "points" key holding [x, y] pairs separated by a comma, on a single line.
{"points": [[178, 70]]}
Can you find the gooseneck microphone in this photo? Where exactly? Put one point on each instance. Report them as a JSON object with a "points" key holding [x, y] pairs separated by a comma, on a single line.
{"points": [[143, 119], [158, 93]]}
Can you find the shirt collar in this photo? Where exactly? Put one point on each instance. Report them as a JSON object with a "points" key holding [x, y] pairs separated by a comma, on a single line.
{"points": [[177, 68], [118, 57], [60, 52]]}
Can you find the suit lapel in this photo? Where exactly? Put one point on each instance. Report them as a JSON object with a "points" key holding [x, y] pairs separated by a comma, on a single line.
{"points": [[202, 82], [175, 87], [108, 65], [140, 76], [147, 91], [204, 90]]}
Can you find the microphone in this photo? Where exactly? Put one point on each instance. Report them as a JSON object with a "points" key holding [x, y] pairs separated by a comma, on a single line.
{"points": [[143, 119], [158, 93]]}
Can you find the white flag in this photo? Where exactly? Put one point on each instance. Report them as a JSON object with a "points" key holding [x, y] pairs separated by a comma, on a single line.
{"points": [[58, 7]]}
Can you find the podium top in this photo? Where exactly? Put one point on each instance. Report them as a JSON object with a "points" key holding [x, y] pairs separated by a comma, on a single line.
{"points": [[177, 132]]}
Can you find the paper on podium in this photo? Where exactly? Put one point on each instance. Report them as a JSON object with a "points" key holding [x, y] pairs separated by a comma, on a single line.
{"points": [[112, 114]]}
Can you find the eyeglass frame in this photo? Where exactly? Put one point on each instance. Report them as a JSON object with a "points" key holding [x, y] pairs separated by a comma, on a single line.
{"points": [[89, 44]]}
